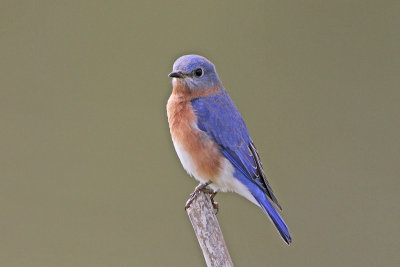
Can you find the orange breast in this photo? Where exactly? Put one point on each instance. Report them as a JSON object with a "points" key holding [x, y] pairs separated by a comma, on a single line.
{"points": [[182, 122]]}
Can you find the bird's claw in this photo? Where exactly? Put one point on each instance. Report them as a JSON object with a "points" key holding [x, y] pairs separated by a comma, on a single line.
{"points": [[205, 189], [190, 200], [200, 187], [215, 204]]}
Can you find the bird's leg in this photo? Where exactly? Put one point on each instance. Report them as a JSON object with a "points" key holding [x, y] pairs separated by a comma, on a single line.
{"points": [[205, 189], [200, 187]]}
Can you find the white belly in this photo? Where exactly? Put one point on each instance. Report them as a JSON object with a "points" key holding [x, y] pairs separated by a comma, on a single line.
{"points": [[187, 162], [224, 182]]}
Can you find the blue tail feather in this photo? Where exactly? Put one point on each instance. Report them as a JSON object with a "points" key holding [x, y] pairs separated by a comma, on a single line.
{"points": [[266, 206]]}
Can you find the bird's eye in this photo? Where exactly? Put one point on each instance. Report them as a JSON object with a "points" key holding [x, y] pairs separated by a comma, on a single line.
{"points": [[198, 72]]}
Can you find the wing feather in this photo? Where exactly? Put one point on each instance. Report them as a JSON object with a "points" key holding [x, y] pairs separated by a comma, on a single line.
{"points": [[218, 116]]}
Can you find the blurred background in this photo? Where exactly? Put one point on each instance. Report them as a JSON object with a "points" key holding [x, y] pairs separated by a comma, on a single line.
{"points": [[88, 173]]}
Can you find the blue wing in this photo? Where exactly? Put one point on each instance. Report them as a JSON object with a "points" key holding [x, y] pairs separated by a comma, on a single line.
{"points": [[218, 116]]}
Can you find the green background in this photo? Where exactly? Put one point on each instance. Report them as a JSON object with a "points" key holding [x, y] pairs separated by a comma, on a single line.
{"points": [[88, 173]]}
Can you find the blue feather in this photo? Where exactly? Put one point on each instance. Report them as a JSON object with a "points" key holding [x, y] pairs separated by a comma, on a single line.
{"points": [[219, 118], [266, 206]]}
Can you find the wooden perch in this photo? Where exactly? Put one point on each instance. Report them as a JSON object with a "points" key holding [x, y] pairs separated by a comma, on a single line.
{"points": [[208, 232]]}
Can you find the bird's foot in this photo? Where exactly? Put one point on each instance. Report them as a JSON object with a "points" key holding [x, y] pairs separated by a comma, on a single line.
{"points": [[202, 188], [215, 204]]}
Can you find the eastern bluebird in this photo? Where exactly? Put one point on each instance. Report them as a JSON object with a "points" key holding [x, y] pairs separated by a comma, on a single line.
{"points": [[211, 138]]}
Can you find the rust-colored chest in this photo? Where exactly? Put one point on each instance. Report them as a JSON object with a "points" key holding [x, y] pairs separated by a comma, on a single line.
{"points": [[199, 155]]}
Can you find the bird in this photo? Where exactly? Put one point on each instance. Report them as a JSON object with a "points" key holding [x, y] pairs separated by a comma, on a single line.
{"points": [[212, 141]]}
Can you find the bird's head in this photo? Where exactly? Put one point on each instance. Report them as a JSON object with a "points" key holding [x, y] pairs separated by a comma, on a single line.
{"points": [[195, 72]]}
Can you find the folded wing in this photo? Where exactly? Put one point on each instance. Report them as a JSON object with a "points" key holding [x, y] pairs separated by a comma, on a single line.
{"points": [[218, 116]]}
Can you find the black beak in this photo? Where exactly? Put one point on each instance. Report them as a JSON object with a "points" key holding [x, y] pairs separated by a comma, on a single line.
{"points": [[176, 75]]}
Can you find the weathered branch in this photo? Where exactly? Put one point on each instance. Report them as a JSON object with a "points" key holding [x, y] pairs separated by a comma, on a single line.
{"points": [[208, 232]]}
